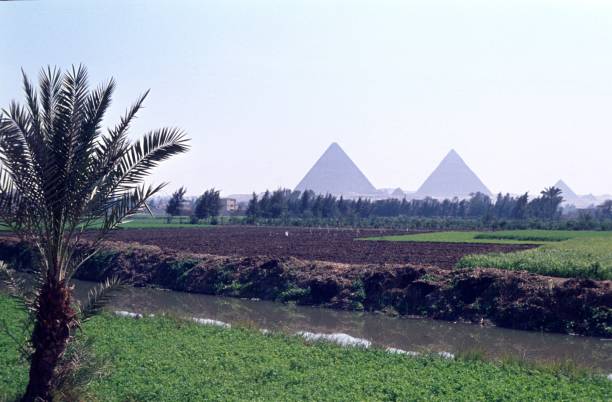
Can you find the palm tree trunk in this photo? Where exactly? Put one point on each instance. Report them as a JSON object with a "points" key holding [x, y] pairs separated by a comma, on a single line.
{"points": [[50, 337]]}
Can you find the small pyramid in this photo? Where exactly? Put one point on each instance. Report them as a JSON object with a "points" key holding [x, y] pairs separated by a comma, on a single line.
{"points": [[335, 173], [568, 194], [452, 178], [398, 193]]}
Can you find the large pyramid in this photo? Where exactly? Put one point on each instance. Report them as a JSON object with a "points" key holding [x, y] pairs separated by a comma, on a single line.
{"points": [[335, 173], [567, 193], [452, 178]]}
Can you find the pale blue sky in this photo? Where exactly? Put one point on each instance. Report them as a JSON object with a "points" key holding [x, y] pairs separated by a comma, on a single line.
{"points": [[521, 89]]}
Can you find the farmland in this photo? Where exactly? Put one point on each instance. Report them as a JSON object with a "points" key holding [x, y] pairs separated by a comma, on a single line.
{"points": [[334, 245], [566, 254], [330, 268], [167, 359], [588, 257], [559, 253], [499, 237], [159, 223], [334, 268]]}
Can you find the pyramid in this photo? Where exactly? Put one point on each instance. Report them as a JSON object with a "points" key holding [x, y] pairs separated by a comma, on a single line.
{"points": [[452, 178], [398, 193], [335, 173], [568, 194]]}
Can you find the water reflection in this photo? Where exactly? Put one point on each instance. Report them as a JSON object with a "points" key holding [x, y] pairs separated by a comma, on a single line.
{"points": [[408, 334]]}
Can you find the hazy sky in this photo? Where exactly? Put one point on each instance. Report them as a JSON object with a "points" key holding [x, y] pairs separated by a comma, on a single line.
{"points": [[521, 89]]}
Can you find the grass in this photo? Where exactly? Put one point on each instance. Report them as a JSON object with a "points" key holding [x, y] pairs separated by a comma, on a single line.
{"points": [[158, 222], [167, 359], [501, 237], [149, 222], [161, 223], [562, 253], [581, 257]]}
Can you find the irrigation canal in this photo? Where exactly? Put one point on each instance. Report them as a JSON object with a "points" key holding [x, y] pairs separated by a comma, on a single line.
{"points": [[409, 334]]}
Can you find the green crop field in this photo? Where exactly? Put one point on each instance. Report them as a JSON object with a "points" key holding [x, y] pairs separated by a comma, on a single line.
{"points": [[568, 254], [150, 222], [158, 222], [167, 359], [500, 237], [582, 257], [161, 223]]}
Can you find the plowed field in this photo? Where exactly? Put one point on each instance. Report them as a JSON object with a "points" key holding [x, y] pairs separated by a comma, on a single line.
{"points": [[309, 244]]}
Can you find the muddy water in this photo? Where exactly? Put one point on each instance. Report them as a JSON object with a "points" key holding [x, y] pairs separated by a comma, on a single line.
{"points": [[421, 335]]}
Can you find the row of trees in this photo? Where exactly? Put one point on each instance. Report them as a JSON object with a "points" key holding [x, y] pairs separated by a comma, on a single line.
{"points": [[205, 206], [284, 203]]}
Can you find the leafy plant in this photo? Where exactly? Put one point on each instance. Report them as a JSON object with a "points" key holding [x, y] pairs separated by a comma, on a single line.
{"points": [[165, 359], [62, 175], [581, 257]]}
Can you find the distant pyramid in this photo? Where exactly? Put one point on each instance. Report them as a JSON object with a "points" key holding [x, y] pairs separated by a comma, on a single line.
{"points": [[452, 178], [398, 193], [567, 193], [335, 173]]}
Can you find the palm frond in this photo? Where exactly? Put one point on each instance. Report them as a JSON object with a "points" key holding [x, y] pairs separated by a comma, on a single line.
{"points": [[50, 82], [112, 145], [83, 173], [16, 152], [17, 289], [78, 367], [135, 164], [99, 297], [120, 130], [14, 286], [33, 105], [28, 300], [144, 155]]}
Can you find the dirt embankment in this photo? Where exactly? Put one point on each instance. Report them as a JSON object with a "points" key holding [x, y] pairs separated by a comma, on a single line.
{"points": [[508, 299]]}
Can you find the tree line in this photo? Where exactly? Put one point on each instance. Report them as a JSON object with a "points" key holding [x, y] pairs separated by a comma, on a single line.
{"points": [[284, 203], [206, 206], [284, 206]]}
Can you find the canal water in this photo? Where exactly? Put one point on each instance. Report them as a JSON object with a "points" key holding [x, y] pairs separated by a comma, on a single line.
{"points": [[410, 334]]}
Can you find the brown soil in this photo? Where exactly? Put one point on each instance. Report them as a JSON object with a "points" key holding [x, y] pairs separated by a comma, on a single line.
{"points": [[308, 244]]}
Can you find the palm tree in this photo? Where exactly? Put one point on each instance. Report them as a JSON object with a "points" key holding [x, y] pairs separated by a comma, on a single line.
{"points": [[552, 198], [551, 192], [61, 175]]}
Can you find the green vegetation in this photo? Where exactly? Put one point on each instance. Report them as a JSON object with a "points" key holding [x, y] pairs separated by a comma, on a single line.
{"points": [[166, 359], [499, 237], [208, 205], [581, 257], [286, 203], [177, 202], [62, 172], [161, 223], [568, 254], [154, 222], [440, 237], [542, 236]]}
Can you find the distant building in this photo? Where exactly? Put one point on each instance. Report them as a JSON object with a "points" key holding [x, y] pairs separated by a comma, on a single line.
{"points": [[228, 205]]}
